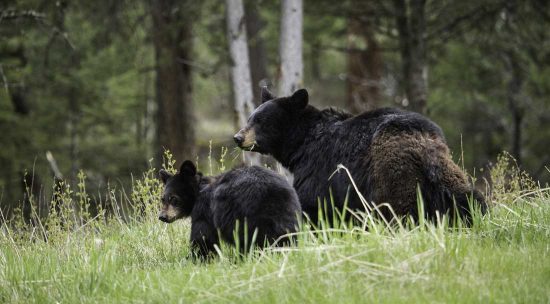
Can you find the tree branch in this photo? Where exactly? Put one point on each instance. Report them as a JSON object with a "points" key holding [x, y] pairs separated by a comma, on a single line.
{"points": [[53, 164], [4, 79], [13, 14], [355, 50]]}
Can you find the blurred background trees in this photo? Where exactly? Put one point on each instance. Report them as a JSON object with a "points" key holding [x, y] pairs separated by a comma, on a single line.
{"points": [[107, 85]]}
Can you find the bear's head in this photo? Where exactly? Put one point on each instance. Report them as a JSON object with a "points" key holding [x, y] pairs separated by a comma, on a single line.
{"points": [[273, 123], [180, 192]]}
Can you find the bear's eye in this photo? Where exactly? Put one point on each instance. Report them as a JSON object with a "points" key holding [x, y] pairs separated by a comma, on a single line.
{"points": [[173, 199]]}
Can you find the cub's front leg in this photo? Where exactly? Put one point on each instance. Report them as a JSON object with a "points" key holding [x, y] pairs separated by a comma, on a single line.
{"points": [[203, 239]]}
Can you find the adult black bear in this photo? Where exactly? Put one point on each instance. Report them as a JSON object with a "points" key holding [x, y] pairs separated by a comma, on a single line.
{"points": [[255, 197], [390, 153]]}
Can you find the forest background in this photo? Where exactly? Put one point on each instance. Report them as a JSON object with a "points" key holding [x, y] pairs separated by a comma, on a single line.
{"points": [[103, 87]]}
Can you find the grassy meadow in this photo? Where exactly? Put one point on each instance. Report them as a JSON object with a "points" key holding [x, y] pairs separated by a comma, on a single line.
{"points": [[114, 257]]}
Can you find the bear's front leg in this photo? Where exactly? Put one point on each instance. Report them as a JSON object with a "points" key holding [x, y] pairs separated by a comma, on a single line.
{"points": [[203, 239]]}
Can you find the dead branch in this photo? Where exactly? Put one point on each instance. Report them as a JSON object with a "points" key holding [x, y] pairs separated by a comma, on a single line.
{"points": [[53, 165], [13, 14]]}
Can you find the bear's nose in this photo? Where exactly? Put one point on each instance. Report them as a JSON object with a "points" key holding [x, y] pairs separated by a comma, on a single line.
{"points": [[163, 218], [239, 139]]}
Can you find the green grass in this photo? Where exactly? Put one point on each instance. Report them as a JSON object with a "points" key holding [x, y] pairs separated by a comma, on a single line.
{"points": [[504, 257]]}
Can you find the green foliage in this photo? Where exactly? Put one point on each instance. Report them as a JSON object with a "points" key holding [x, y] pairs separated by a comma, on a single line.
{"points": [[472, 82], [62, 215], [509, 182], [83, 200], [85, 84]]}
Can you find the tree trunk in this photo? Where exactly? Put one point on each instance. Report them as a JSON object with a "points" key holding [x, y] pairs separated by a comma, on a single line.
{"points": [[291, 66], [172, 40], [364, 66], [315, 61], [256, 49], [74, 119], [32, 200], [240, 67], [412, 44], [290, 47], [515, 85]]}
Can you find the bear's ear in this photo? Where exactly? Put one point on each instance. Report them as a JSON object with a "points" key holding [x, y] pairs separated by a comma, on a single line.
{"points": [[188, 168], [164, 175], [299, 99], [266, 94]]}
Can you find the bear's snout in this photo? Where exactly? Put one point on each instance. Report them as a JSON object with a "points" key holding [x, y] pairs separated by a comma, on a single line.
{"points": [[245, 138], [238, 138]]}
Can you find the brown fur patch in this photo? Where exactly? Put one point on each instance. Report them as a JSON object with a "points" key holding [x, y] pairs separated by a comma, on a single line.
{"points": [[249, 138], [399, 162]]}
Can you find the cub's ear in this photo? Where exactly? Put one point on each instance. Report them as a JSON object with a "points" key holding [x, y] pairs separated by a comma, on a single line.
{"points": [[164, 175], [266, 94], [188, 168], [298, 100]]}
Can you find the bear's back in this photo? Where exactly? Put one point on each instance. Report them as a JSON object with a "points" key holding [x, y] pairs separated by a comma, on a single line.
{"points": [[345, 139], [392, 120], [259, 196]]}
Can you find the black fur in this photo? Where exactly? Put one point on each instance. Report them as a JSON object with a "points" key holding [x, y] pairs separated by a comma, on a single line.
{"points": [[253, 195], [311, 143]]}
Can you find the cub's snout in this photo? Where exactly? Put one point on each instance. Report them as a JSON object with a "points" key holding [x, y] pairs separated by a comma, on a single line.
{"points": [[169, 213]]}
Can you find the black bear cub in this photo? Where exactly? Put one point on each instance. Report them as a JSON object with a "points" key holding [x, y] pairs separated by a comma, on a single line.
{"points": [[254, 198]]}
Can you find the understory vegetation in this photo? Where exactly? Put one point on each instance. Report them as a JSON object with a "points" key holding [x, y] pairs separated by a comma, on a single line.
{"points": [[121, 253]]}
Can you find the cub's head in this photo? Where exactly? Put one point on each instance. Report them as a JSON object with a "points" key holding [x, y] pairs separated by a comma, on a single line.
{"points": [[180, 192], [272, 123]]}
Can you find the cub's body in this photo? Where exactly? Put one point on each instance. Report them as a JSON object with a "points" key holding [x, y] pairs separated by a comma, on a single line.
{"points": [[251, 203]]}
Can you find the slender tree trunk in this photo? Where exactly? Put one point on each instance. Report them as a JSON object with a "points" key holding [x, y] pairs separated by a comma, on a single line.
{"points": [[412, 44], [291, 66], [256, 49], [515, 85], [290, 47], [365, 66], [19, 100], [240, 66], [418, 79], [73, 135], [172, 40]]}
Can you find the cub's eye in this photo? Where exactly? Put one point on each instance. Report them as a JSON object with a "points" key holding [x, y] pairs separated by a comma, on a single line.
{"points": [[173, 199]]}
